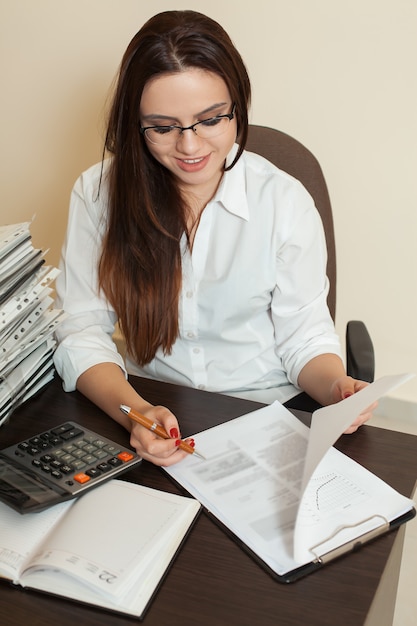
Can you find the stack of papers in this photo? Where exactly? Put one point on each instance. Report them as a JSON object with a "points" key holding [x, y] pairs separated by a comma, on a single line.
{"points": [[27, 318]]}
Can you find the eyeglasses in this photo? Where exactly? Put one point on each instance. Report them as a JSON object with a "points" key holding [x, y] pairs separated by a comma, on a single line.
{"points": [[206, 129]]}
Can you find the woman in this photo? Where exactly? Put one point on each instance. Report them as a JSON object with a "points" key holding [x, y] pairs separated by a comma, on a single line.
{"points": [[211, 259]]}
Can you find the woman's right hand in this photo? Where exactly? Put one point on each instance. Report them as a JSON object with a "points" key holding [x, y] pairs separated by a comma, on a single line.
{"points": [[149, 446], [162, 452]]}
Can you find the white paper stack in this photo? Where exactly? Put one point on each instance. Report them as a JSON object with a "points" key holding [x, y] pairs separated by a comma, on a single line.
{"points": [[27, 318]]}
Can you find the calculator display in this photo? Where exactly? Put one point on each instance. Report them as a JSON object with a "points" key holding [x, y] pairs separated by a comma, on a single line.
{"points": [[24, 490]]}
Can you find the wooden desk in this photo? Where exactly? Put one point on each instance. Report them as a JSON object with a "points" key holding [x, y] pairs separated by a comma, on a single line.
{"points": [[213, 582]]}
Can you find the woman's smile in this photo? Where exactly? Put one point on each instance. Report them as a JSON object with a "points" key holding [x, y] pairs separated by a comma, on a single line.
{"points": [[193, 165]]}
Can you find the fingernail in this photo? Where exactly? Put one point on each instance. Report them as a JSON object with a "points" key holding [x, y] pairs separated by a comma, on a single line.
{"points": [[347, 394], [192, 443], [173, 433], [178, 442]]}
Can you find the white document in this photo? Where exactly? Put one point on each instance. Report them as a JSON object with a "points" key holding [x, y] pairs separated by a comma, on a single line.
{"points": [[12, 235], [253, 476]]}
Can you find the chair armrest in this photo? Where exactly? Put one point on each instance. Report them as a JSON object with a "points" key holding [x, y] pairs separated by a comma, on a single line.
{"points": [[360, 358]]}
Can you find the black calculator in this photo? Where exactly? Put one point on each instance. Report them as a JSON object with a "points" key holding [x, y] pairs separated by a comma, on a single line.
{"points": [[59, 464]]}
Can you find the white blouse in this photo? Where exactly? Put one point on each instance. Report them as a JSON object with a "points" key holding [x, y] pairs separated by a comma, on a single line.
{"points": [[252, 308]]}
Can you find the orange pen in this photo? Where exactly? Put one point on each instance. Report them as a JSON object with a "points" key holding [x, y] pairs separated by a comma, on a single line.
{"points": [[156, 428]]}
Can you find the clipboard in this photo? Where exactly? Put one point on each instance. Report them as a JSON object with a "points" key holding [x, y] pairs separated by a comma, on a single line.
{"points": [[266, 527], [319, 560]]}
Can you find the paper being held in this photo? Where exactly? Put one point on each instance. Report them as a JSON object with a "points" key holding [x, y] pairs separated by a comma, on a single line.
{"points": [[330, 422], [320, 477]]}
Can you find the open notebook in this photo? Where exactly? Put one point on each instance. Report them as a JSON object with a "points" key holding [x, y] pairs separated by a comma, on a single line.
{"points": [[110, 548]]}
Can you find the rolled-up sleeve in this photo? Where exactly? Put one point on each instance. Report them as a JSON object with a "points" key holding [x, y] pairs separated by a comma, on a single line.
{"points": [[85, 336]]}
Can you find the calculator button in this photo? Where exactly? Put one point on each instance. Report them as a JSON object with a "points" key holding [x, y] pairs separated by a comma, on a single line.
{"points": [[82, 478], [114, 461], [59, 453], [100, 454], [56, 474], [44, 445], [47, 458], [99, 443], [66, 469], [58, 430], [35, 441], [78, 465], [71, 434], [32, 450], [67, 458], [23, 446], [93, 472], [78, 454], [112, 449], [104, 467], [46, 436], [125, 456], [90, 459], [90, 438]]}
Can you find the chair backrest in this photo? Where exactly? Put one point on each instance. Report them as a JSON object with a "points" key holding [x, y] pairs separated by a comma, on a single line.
{"points": [[291, 156]]}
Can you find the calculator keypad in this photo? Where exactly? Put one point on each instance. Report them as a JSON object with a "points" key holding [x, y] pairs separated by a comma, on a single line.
{"points": [[72, 456]]}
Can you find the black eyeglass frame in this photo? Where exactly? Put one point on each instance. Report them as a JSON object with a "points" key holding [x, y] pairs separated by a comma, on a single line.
{"points": [[230, 116]]}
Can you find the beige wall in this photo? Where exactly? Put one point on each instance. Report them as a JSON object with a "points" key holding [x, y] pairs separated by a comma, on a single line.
{"points": [[339, 76]]}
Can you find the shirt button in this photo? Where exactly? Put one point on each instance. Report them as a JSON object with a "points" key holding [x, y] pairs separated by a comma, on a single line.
{"points": [[189, 294], [201, 386], [190, 335], [196, 350]]}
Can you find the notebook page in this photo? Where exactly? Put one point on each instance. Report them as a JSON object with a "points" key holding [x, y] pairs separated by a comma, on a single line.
{"points": [[20, 534], [132, 518]]}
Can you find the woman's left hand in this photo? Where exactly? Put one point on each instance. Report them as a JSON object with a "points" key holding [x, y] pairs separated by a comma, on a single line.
{"points": [[346, 386]]}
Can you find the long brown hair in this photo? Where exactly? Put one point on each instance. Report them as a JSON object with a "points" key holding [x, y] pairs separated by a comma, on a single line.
{"points": [[140, 264]]}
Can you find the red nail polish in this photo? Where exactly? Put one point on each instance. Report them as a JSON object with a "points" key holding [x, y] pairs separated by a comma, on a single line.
{"points": [[173, 433], [178, 442], [192, 443], [347, 394]]}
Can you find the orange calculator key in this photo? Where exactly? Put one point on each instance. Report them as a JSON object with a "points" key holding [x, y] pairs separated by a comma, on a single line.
{"points": [[125, 456], [81, 478]]}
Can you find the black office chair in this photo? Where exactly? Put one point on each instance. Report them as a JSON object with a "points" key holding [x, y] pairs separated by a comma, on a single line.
{"points": [[291, 156]]}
